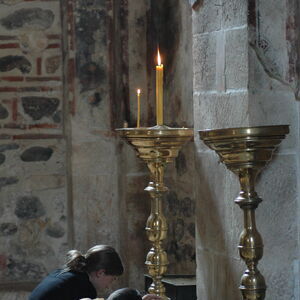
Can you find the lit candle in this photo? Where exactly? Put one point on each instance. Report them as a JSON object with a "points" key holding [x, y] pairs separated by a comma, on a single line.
{"points": [[138, 108], [159, 91]]}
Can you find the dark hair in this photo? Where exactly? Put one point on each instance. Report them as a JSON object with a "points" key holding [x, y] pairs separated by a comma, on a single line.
{"points": [[96, 258], [125, 294]]}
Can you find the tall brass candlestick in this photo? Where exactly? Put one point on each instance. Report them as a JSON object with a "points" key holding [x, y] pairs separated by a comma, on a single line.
{"points": [[246, 151], [157, 146]]}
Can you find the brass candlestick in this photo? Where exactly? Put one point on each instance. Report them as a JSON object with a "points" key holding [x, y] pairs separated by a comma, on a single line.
{"points": [[157, 146], [246, 151]]}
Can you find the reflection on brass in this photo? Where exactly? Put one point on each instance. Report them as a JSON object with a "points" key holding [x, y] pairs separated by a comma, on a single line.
{"points": [[245, 151], [157, 146]]}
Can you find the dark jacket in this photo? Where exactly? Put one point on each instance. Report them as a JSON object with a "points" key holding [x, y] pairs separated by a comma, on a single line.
{"points": [[61, 285]]}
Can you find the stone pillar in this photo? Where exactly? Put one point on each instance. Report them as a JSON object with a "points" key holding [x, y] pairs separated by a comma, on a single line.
{"points": [[246, 68]]}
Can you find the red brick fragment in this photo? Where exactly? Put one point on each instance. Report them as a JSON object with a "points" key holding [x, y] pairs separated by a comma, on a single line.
{"points": [[15, 126], [15, 109], [54, 36], [36, 136], [3, 262], [12, 78], [43, 126], [7, 37], [53, 46], [9, 46], [8, 89], [55, 78], [39, 65]]}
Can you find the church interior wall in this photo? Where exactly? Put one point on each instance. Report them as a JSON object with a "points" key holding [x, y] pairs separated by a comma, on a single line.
{"points": [[69, 71], [68, 181], [250, 52]]}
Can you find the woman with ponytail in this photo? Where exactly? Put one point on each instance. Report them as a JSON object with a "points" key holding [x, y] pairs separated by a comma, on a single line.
{"points": [[83, 276]]}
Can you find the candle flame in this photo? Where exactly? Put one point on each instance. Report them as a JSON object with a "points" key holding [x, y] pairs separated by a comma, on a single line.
{"points": [[138, 91], [158, 58]]}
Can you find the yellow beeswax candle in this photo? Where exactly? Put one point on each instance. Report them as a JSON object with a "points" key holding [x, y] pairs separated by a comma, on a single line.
{"points": [[159, 91], [138, 108]]}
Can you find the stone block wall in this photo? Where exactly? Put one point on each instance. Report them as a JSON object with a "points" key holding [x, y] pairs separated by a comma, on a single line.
{"points": [[246, 72]]}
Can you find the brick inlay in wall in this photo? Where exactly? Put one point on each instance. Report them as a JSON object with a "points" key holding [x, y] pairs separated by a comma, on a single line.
{"points": [[31, 68]]}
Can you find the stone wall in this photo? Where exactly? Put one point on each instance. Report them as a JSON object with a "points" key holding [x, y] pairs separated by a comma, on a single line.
{"points": [[58, 147], [246, 72], [68, 75], [34, 226]]}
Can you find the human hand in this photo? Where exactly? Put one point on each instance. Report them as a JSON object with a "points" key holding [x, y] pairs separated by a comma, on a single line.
{"points": [[151, 297]]}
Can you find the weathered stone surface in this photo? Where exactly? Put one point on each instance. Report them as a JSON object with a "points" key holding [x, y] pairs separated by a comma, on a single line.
{"points": [[52, 64], [33, 43], [91, 23], [29, 208], [7, 181], [3, 112], [204, 58], [91, 75], [275, 108], [55, 230], [214, 211], [30, 17], [94, 99], [21, 295], [196, 3], [277, 222], [39, 107], [10, 62], [180, 240], [57, 117], [208, 17], [17, 269], [236, 51], [191, 229], [10, 2], [7, 229], [214, 110], [37, 154], [234, 13], [165, 29], [5, 147], [181, 165], [44, 182], [2, 158]]}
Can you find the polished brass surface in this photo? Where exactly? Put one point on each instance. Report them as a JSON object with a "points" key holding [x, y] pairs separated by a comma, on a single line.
{"points": [[245, 151], [157, 146]]}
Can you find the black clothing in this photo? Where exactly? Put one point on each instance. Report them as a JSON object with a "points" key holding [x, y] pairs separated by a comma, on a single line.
{"points": [[60, 285]]}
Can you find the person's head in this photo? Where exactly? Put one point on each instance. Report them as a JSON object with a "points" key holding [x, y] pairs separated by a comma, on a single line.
{"points": [[125, 294], [102, 263]]}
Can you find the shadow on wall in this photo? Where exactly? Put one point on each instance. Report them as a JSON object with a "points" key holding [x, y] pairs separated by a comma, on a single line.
{"points": [[217, 277]]}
